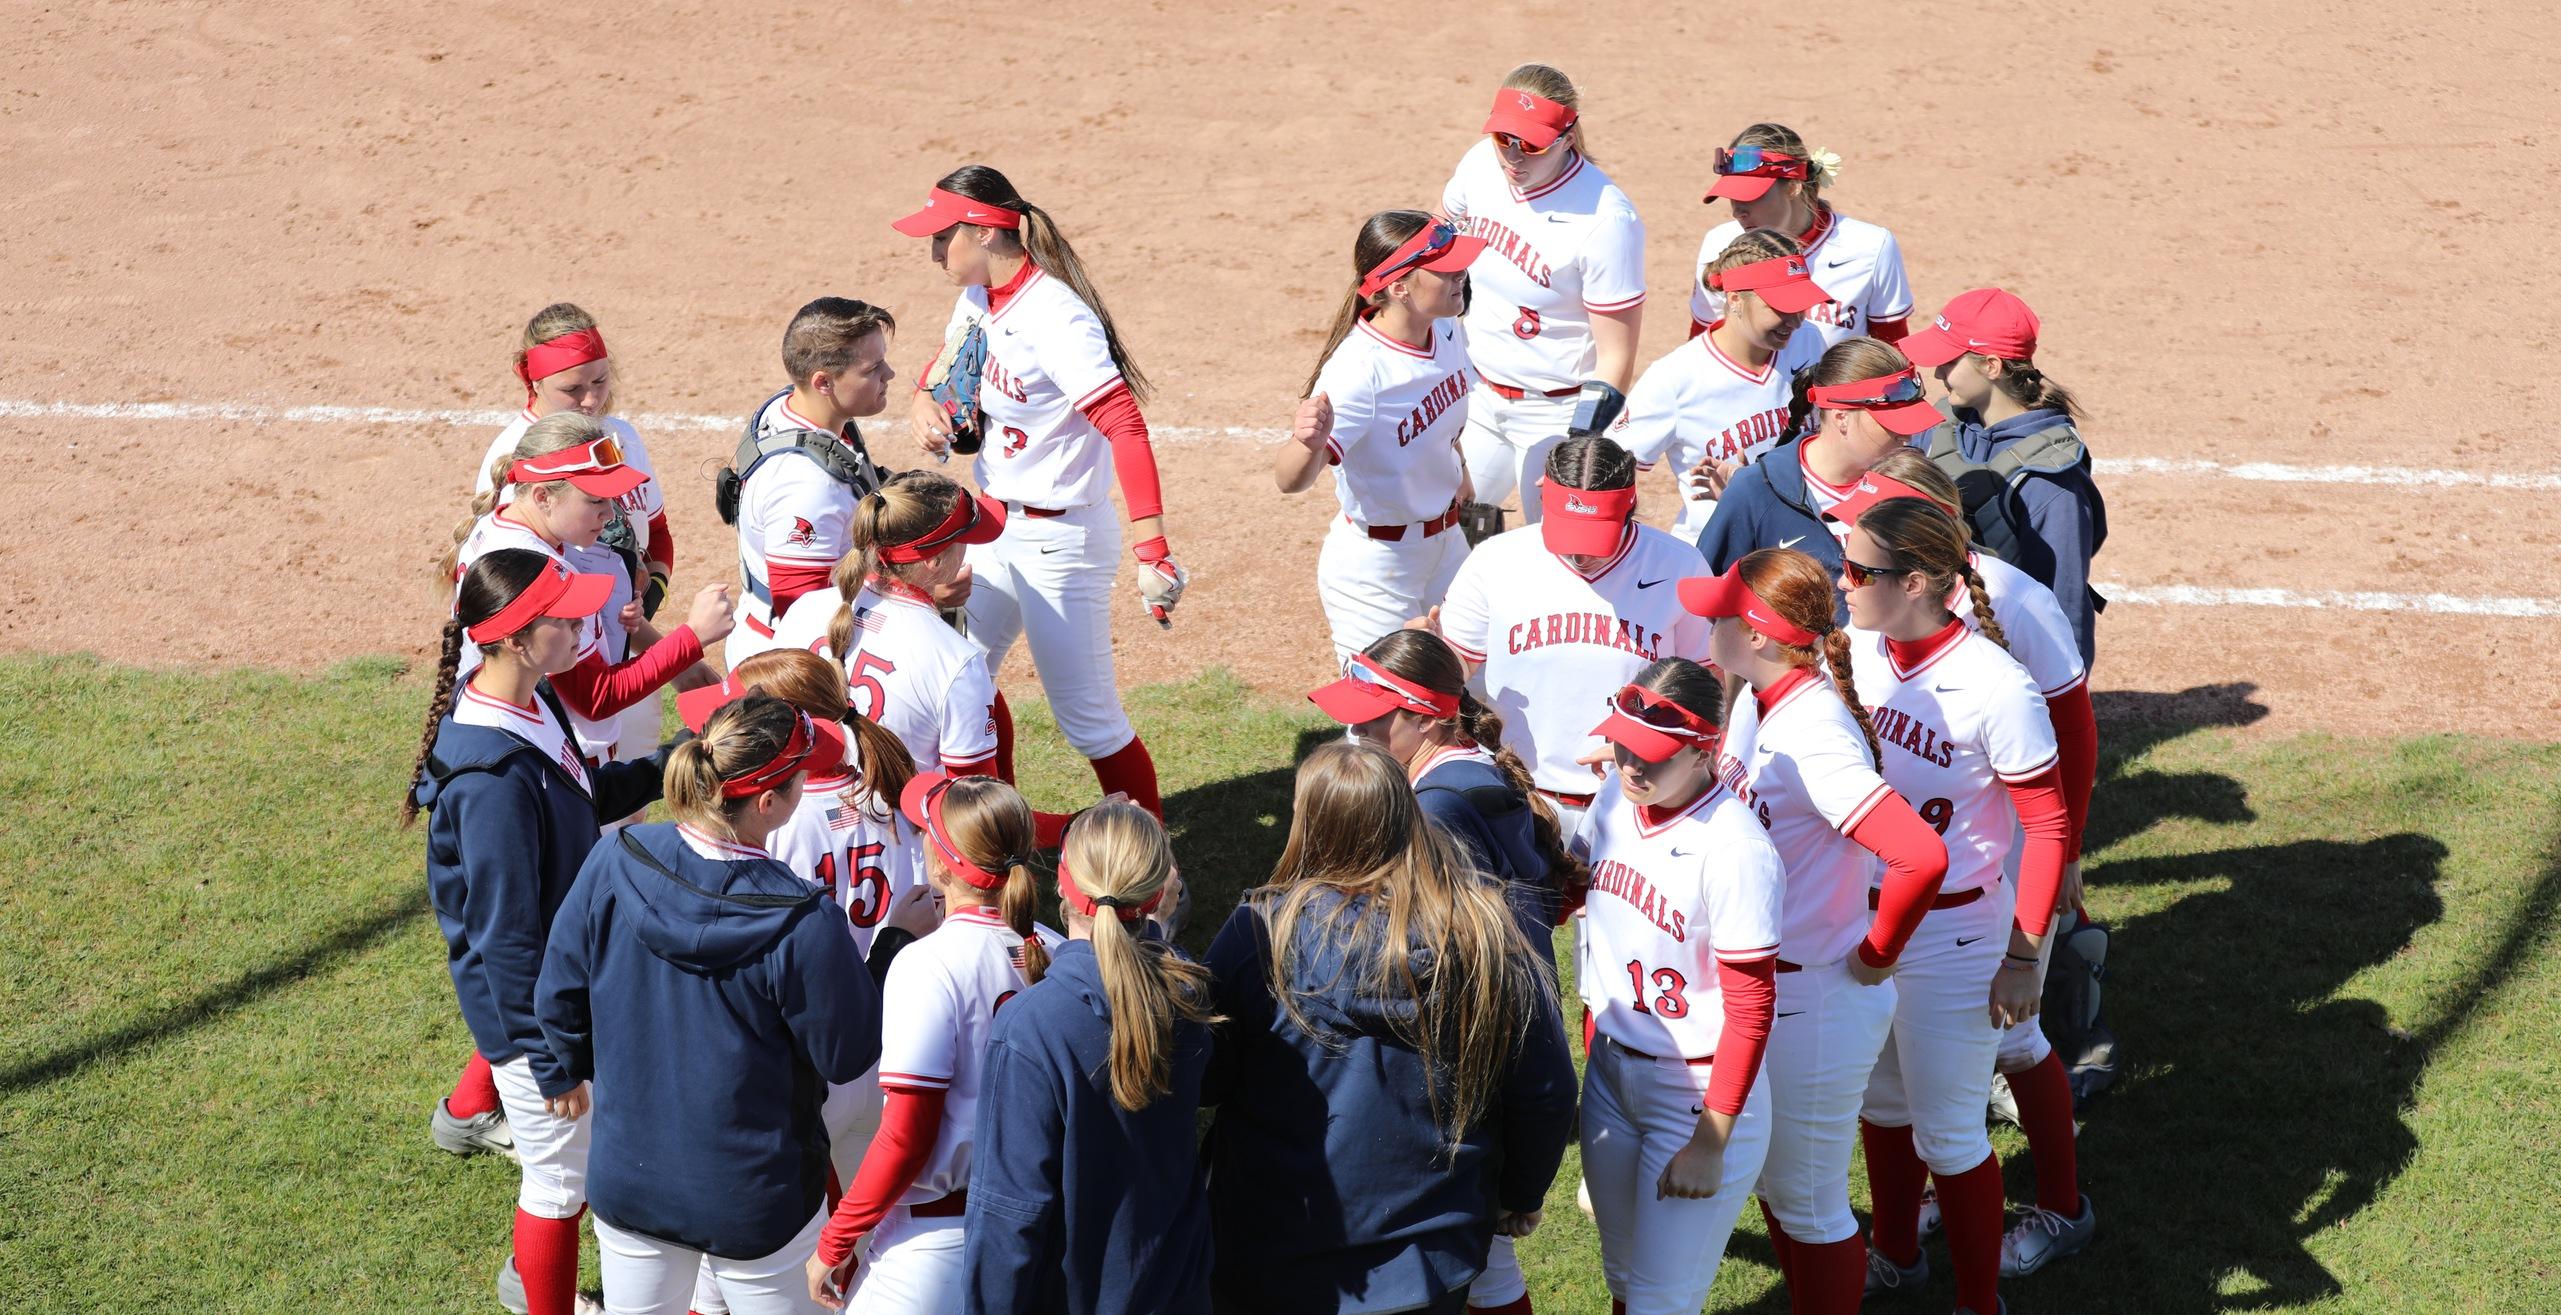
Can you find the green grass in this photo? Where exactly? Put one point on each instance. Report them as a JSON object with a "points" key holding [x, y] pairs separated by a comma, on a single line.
{"points": [[223, 1010]]}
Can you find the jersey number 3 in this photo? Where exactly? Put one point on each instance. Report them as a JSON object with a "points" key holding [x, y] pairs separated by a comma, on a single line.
{"points": [[1671, 1000], [867, 894]]}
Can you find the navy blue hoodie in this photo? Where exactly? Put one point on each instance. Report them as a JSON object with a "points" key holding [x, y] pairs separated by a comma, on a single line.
{"points": [[507, 832], [1767, 506], [1328, 1190], [1077, 1206], [711, 1001], [1478, 808]]}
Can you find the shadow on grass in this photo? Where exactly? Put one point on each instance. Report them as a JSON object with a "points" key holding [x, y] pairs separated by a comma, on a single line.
{"points": [[212, 1005], [1228, 835]]}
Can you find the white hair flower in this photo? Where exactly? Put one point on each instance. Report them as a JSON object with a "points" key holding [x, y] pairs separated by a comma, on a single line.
{"points": [[1827, 166]]}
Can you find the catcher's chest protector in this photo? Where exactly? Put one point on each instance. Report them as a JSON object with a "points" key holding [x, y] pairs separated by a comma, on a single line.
{"points": [[849, 464]]}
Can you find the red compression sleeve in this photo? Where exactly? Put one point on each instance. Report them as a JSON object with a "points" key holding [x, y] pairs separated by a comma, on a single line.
{"points": [[910, 1120], [1133, 458], [1915, 864], [790, 582], [1750, 991], [2042, 816], [2076, 745], [662, 543], [1889, 330], [596, 691]]}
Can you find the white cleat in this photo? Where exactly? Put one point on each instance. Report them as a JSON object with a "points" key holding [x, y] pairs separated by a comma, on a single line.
{"points": [[486, 1132]]}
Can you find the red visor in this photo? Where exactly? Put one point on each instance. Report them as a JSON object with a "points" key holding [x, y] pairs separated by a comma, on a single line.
{"points": [[944, 209], [1746, 173], [1872, 489], [1986, 321], [1726, 595], [922, 802], [974, 518], [596, 468], [816, 746], [1534, 119], [1583, 522], [1369, 691], [1653, 727], [1435, 246], [555, 592], [1782, 282], [1895, 400], [1074, 897], [566, 352]]}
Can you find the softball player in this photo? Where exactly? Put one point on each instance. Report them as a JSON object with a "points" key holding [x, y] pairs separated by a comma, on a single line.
{"points": [[1559, 302], [1085, 1189], [1675, 959], [802, 465], [713, 1150], [1774, 182], [1583, 598], [1057, 391], [905, 667], [1384, 409], [515, 810], [1967, 734], [1799, 752], [941, 1002], [1720, 400]]}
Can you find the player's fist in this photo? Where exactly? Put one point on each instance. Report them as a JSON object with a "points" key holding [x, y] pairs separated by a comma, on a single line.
{"points": [[827, 1282], [712, 616], [916, 912], [1694, 1174], [2014, 993], [1516, 1224], [571, 1104], [1314, 422], [933, 424]]}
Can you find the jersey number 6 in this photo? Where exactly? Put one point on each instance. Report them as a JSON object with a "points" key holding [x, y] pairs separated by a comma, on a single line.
{"points": [[1672, 1002], [869, 698], [1527, 325], [867, 894]]}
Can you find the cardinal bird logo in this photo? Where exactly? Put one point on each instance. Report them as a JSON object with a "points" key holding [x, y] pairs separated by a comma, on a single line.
{"points": [[1579, 507], [802, 532], [1525, 101]]}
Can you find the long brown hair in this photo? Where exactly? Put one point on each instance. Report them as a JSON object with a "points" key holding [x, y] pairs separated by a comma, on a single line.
{"points": [[1118, 851], [1923, 538], [1427, 660], [1800, 591], [817, 686], [1379, 237], [1040, 239], [1783, 139], [1363, 875], [991, 826], [492, 582]]}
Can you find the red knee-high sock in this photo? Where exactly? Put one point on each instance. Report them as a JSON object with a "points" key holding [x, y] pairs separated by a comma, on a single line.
{"points": [[1894, 1177], [2044, 1094], [1830, 1278], [1782, 1246], [1970, 1203], [1004, 715], [1516, 1306], [547, 1261], [1133, 773], [1617, 1307], [475, 1093]]}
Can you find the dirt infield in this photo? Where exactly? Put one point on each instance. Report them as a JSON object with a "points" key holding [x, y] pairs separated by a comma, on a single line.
{"points": [[2297, 233]]}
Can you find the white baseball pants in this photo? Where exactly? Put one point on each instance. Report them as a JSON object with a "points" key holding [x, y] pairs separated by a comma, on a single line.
{"points": [[1371, 587], [2024, 1046], [1660, 1256], [914, 1267], [645, 1275], [1048, 579], [1501, 1282], [1506, 444], [1935, 1074], [1823, 1044], [551, 1150], [852, 1115]]}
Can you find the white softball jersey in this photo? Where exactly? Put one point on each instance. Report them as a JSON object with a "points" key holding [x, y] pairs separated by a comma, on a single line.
{"points": [[638, 505], [1804, 771], [1552, 257], [1859, 263], [1958, 728], [1046, 357], [1671, 898], [601, 634], [534, 725], [792, 514], [1698, 404], [1398, 410], [843, 839], [2040, 635], [909, 671], [936, 1014], [1555, 641]]}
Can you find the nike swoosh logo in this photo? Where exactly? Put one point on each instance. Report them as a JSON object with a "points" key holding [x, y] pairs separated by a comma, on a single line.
{"points": [[1648, 584], [1829, 264], [1963, 941], [1946, 689], [1047, 551], [1790, 543], [1560, 219], [1791, 1013], [1680, 853], [1700, 1108]]}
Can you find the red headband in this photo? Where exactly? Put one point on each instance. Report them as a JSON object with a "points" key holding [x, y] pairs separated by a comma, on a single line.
{"points": [[555, 592], [551, 356], [1074, 897], [777, 770]]}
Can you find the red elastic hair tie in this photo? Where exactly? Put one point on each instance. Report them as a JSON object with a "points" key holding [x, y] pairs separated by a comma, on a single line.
{"points": [[553, 355], [1074, 897]]}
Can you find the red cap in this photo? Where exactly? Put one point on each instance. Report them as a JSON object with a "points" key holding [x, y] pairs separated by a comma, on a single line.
{"points": [[1583, 522], [944, 209], [1453, 253], [974, 518], [1533, 118], [1782, 282], [556, 592], [1633, 713], [1871, 489], [1894, 399], [1369, 691], [922, 802], [1986, 321], [595, 467], [1727, 595]]}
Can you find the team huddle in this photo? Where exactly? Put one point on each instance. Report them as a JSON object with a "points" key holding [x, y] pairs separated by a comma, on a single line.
{"points": [[1802, 780]]}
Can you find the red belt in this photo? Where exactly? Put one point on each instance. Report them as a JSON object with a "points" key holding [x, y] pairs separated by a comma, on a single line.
{"points": [[1569, 800], [947, 1207], [1693, 1063], [1038, 513], [1396, 533], [1511, 394], [1956, 901]]}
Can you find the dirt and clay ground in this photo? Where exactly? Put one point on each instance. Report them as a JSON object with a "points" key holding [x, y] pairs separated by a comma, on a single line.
{"points": [[2294, 233]]}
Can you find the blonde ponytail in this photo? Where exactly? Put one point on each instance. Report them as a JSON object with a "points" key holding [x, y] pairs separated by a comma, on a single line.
{"points": [[1118, 851]]}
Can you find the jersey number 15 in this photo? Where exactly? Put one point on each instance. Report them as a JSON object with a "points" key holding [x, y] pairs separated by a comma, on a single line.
{"points": [[867, 893]]}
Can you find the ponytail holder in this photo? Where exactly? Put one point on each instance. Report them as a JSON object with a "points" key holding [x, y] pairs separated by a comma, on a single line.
{"points": [[1074, 897], [1826, 164], [553, 355]]}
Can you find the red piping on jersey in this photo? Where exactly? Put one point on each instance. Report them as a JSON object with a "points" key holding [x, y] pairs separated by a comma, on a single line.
{"points": [[1612, 307], [527, 711], [1815, 233], [1115, 412], [2076, 755], [911, 1120], [998, 298], [1837, 491], [1912, 657], [1423, 352], [1736, 366], [596, 691], [1893, 330], [797, 419], [1572, 168], [2048, 826], [1797, 678], [1915, 866], [501, 515], [899, 591], [1626, 543], [1749, 994], [1651, 821]]}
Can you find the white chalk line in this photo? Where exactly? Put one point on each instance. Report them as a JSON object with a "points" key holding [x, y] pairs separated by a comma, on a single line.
{"points": [[2175, 595]]}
